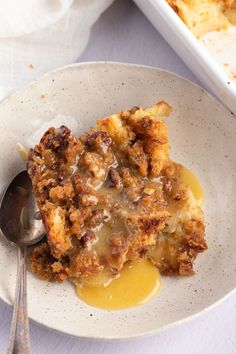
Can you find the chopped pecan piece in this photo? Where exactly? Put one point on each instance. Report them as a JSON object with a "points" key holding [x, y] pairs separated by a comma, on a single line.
{"points": [[87, 237], [114, 179]]}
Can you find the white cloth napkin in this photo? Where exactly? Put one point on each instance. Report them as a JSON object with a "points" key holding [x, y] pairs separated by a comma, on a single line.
{"points": [[39, 35]]}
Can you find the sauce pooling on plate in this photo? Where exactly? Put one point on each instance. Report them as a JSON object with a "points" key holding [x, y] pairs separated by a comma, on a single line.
{"points": [[191, 180], [136, 284]]}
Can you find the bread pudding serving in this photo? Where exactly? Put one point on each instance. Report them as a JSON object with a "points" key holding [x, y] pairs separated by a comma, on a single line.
{"points": [[113, 196]]}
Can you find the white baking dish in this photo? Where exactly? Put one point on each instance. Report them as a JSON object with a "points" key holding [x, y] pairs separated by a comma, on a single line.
{"points": [[203, 62]]}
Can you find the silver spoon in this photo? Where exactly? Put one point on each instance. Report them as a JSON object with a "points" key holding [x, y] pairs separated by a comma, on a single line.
{"points": [[20, 223]]}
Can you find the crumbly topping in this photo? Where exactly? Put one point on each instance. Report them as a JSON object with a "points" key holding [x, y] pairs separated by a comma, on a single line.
{"points": [[105, 198], [183, 235]]}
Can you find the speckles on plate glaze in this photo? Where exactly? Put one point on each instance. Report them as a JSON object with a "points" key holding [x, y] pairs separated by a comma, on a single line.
{"points": [[201, 134]]}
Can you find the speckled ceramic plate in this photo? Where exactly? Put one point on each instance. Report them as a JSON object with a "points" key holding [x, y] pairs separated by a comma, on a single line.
{"points": [[203, 137]]}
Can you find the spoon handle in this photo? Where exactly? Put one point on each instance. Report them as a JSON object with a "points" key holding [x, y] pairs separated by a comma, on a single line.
{"points": [[19, 340]]}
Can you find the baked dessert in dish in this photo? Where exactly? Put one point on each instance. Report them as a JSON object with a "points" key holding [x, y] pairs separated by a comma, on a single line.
{"points": [[112, 196], [202, 16], [230, 10]]}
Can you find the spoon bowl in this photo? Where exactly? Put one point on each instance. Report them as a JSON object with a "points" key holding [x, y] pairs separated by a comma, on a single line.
{"points": [[20, 220]]}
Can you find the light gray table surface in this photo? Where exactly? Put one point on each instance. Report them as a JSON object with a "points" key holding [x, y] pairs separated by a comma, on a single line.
{"points": [[124, 34]]}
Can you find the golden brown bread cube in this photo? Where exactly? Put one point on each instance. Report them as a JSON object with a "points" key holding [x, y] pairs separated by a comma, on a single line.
{"points": [[202, 16]]}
